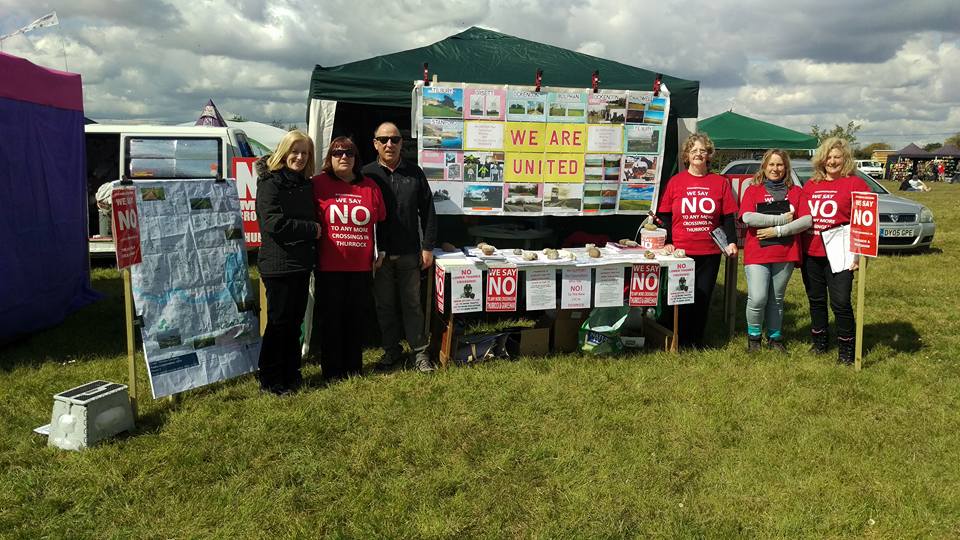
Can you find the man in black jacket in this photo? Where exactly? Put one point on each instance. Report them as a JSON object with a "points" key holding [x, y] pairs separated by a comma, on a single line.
{"points": [[407, 238]]}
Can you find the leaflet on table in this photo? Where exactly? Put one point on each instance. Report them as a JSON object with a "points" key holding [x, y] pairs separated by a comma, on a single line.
{"points": [[608, 290], [541, 288], [466, 289], [680, 274], [576, 287]]}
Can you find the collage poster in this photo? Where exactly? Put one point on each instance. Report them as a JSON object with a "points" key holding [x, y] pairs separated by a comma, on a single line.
{"points": [[504, 150]]}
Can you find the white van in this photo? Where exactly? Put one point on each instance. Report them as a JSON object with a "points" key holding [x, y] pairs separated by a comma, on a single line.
{"points": [[144, 151], [873, 168]]}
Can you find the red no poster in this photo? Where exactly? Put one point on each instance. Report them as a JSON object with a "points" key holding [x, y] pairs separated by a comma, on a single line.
{"points": [[502, 289], [439, 279], [864, 224], [126, 226], [247, 191], [644, 285]]}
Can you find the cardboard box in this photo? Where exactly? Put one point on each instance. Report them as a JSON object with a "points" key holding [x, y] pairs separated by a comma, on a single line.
{"points": [[535, 341], [566, 329]]}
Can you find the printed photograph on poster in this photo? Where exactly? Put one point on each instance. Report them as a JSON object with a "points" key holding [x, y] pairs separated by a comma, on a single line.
{"points": [[608, 289], [642, 139], [447, 197], [636, 105], [600, 167], [607, 108], [483, 135], [440, 166], [567, 107], [523, 197], [482, 197], [442, 102], [466, 289], [576, 290], [484, 103], [562, 198], [604, 139], [636, 197], [443, 134], [637, 168], [483, 166], [600, 197], [541, 288], [657, 104], [653, 117], [526, 106]]}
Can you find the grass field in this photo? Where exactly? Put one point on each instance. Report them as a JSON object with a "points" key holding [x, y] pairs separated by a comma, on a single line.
{"points": [[708, 444]]}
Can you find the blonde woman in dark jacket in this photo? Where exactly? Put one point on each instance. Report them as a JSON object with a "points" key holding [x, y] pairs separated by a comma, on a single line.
{"points": [[289, 231]]}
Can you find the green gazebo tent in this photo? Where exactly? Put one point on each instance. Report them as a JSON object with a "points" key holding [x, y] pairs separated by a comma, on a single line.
{"points": [[352, 99], [732, 131]]}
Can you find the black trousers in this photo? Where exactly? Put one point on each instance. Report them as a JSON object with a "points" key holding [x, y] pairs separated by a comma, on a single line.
{"points": [[821, 283], [280, 348], [341, 297], [693, 317]]}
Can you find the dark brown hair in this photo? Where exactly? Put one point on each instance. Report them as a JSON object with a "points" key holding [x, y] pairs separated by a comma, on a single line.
{"points": [[342, 143]]}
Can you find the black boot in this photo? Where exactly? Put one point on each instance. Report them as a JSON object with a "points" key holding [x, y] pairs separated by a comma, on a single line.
{"points": [[846, 348], [818, 341], [776, 345], [753, 343]]}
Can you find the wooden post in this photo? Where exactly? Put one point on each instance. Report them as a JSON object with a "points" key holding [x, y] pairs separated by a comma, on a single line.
{"points": [[675, 344], [861, 287], [730, 294], [448, 344], [131, 344]]}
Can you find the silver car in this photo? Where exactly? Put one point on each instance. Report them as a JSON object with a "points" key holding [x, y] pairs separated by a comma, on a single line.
{"points": [[904, 224]]}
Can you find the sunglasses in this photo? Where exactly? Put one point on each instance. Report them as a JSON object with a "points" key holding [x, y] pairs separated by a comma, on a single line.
{"points": [[340, 152], [382, 139]]}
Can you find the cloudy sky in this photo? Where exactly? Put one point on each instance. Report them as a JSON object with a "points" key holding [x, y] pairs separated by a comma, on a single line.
{"points": [[892, 66]]}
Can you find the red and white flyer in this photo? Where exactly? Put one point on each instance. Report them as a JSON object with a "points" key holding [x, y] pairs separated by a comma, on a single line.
{"points": [[439, 280], [644, 285], [502, 289], [576, 288], [466, 289], [864, 224], [126, 226]]}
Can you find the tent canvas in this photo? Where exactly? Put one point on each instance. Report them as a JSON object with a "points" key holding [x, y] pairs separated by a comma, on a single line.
{"points": [[352, 99], [947, 151], [43, 229], [911, 151], [729, 130]]}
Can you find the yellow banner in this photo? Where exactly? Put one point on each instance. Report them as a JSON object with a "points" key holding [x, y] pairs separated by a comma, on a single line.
{"points": [[520, 167], [563, 168], [524, 137], [568, 138]]}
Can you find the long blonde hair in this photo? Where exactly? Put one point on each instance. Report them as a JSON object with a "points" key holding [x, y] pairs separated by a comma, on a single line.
{"points": [[819, 160], [278, 159], [759, 176]]}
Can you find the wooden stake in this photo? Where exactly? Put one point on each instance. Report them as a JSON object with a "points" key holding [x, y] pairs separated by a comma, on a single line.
{"points": [[861, 287], [675, 344], [131, 344]]}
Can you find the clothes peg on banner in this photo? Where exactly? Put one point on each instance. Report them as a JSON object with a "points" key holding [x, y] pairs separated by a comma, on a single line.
{"points": [[426, 75], [538, 80], [656, 84], [595, 81]]}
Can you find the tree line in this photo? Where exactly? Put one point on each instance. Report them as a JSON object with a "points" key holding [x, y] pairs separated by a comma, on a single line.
{"points": [[849, 132]]}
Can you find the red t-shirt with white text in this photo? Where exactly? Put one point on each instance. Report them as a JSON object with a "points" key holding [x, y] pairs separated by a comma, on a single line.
{"points": [[348, 213], [697, 204], [829, 202], [753, 252]]}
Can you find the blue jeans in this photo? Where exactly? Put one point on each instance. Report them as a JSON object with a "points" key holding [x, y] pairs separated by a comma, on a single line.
{"points": [[766, 285]]}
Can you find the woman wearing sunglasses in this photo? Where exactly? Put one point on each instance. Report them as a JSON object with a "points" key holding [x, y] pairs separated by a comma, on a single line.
{"points": [[348, 205]]}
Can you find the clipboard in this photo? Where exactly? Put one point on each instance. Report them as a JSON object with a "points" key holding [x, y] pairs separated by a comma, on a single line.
{"points": [[836, 240], [775, 208]]}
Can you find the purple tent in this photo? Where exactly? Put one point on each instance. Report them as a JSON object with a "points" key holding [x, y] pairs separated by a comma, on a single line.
{"points": [[44, 268], [210, 116]]}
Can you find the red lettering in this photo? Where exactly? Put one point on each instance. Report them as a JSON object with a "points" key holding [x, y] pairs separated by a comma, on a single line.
{"points": [[566, 137], [518, 137], [576, 138]]}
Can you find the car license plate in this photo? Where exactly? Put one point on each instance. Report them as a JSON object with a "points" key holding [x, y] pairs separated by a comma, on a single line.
{"points": [[895, 233]]}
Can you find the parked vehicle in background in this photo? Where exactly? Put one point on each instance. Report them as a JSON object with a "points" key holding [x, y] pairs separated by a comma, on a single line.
{"points": [[144, 152], [873, 168], [905, 225]]}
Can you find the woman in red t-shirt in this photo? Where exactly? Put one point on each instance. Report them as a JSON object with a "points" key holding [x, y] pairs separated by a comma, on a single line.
{"points": [[829, 199], [348, 206], [694, 203], [772, 245]]}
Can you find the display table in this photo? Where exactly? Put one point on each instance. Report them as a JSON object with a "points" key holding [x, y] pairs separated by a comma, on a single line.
{"points": [[503, 282]]}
